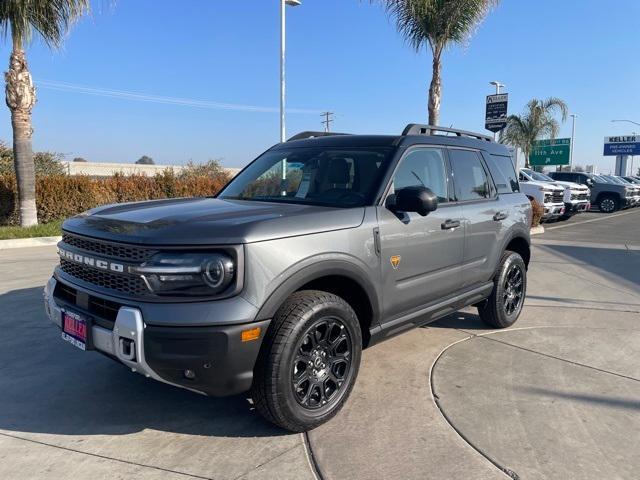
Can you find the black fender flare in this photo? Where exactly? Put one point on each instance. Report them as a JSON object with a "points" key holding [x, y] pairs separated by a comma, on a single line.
{"points": [[516, 233], [318, 269]]}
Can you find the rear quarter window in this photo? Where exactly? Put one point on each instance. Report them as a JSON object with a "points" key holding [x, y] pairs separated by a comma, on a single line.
{"points": [[503, 173]]}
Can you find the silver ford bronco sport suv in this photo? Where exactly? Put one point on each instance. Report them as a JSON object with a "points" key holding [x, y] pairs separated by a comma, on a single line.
{"points": [[324, 245]]}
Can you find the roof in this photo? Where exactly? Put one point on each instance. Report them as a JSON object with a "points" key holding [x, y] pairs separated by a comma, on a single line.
{"points": [[354, 141]]}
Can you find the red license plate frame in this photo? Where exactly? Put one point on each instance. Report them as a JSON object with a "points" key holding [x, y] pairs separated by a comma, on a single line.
{"points": [[76, 329]]}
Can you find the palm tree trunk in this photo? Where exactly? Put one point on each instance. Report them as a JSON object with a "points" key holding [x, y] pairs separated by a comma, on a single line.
{"points": [[20, 98], [435, 89]]}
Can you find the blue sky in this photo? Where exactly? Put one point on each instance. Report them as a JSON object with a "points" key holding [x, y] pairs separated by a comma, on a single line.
{"points": [[343, 55]]}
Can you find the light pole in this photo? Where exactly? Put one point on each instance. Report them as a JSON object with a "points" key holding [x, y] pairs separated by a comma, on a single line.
{"points": [[628, 121], [573, 141], [283, 42], [283, 6], [498, 85]]}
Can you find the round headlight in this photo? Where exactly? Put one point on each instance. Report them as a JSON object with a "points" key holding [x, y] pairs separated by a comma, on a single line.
{"points": [[218, 272]]}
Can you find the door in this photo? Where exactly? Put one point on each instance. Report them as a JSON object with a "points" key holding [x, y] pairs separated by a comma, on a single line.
{"points": [[482, 213], [421, 256]]}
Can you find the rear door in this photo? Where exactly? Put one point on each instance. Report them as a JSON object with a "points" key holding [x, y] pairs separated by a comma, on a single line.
{"points": [[476, 194], [421, 256]]}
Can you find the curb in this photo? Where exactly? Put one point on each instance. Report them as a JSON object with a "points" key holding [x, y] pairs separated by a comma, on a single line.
{"points": [[28, 242], [537, 230]]}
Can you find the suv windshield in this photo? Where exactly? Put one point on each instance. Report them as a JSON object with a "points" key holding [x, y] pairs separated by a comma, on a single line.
{"points": [[333, 177], [614, 180]]}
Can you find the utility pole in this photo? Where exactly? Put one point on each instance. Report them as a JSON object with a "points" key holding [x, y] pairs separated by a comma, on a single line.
{"points": [[327, 120]]}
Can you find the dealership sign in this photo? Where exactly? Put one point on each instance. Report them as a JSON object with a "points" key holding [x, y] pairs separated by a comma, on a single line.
{"points": [[622, 145], [496, 112]]}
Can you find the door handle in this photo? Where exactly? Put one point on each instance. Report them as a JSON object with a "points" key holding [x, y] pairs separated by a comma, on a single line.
{"points": [[450, 224], [498, 217]]}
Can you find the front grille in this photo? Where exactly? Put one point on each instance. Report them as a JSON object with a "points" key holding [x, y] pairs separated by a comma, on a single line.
{"points": [[103, 312], [583, 196], [130, 285], [112, 250], [557, 197]]}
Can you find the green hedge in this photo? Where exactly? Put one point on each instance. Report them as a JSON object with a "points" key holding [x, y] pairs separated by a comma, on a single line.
{"points": [[61, 196]]}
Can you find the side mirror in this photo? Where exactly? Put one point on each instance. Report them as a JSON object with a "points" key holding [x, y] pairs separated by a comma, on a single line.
{"points": [[589, 182], [414, 199]]}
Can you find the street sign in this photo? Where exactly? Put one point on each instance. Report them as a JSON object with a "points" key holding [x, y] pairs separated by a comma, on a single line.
{"points": [[551, 152], [622, 145], [496, 112]]}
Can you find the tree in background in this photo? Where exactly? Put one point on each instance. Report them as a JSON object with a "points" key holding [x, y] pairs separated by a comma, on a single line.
{"points": [[536, 122], [145, 160], [211, 168], [80, 159], [45, 163], [19, 19], [437, 24]]}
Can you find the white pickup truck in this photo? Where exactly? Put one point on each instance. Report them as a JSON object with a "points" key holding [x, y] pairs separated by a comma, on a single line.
{"points": [[545, 192], [576, 197]]}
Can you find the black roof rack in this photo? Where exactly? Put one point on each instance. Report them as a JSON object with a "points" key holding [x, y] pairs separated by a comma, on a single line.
{"points": [[418, 129], [303, 135]]}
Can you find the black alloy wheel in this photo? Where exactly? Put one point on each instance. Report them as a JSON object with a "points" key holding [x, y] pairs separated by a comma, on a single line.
{"points": [[504, 305], [308, 361], [513, 289], [322, 363]]}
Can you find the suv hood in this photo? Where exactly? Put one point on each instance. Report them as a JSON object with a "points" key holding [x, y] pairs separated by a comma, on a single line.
{"points": [[546, 185], [571, 185], [208, 221]]}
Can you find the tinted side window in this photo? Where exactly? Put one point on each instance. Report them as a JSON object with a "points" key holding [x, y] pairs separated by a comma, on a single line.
{"points": [[469, 176], [504, 173], [423, 167]]}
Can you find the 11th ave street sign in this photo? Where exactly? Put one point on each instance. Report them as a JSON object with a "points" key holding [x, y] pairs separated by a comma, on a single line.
{"points": [[551, 152]]}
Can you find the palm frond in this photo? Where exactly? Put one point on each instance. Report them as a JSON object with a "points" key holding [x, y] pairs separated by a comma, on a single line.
{"points": [[49, 18], [536, 122], [437, 23]]}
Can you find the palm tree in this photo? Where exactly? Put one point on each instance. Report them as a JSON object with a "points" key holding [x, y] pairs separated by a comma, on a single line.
{"points": [[536, 122], [19, 19], [437, 24]]}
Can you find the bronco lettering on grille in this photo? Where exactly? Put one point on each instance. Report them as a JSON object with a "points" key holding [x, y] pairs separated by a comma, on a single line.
{"points": [[90, 261]]}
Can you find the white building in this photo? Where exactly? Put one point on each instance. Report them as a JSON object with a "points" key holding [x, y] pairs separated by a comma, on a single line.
{"points": [[106, 169]]}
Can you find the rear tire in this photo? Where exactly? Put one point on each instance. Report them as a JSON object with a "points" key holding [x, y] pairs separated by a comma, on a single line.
{"points": [[503, 307], [309, 361], [608, 204]]}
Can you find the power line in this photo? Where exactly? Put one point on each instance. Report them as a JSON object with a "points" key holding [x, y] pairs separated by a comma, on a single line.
{"points": [[144, 97]]}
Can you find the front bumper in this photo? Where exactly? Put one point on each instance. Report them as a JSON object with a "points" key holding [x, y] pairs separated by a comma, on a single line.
{"points": [[220, 362], [577, 206], [553, 210]]}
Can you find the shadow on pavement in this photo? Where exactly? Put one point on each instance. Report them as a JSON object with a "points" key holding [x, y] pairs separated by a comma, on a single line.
{"points": [[461, 320], [603, 400], [620, 266], [48, 386]]}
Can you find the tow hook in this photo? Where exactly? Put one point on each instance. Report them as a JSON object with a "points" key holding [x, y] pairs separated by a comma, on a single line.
{"points": [[127, 349]]}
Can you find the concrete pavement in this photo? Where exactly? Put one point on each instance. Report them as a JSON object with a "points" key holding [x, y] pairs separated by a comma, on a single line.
{"points": [[554, 397]]}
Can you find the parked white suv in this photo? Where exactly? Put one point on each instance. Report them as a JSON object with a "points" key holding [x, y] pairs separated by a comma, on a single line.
{"points": [[549, 195], [576, 197]]}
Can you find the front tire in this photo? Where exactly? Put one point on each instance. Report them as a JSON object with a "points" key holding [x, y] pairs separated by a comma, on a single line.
{"points": [[503, 307], [309, 361], [608, 204]]}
